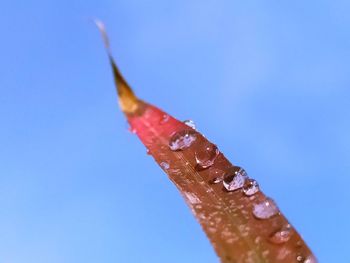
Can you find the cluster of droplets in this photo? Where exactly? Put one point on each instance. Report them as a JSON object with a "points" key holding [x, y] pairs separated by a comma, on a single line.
{"points": [[233, 179], [236, 178]]}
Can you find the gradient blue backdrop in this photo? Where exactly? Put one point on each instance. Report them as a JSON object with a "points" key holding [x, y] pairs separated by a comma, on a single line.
{"points": [[267, 81]]}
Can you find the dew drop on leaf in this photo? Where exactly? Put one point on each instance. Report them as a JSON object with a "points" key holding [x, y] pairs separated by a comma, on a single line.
{"points": [[265, 209], [300, 258], [164, 119], [235, 178], [190, 123], [216, 175], [310, 259], [182, 140], [132, 130], [164, 165], [217, 180], [250, 187], [206, 155], [282, 235], [192, 198]]}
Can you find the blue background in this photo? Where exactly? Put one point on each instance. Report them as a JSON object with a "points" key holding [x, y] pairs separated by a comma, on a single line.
{"points": [[267, 81]]}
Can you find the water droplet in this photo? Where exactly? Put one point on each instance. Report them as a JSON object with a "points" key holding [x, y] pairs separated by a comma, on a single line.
{"points": [[215, 175], [303, 259], [300, 258], [148, 151], [132, 130], [257, 240], [250, 187], [190, 123], [192, 198], [164, 119], [182, 140], [205, 157], [282, 235], [265, 209], [234, 179], [310, 259], [217, 180], [164, 165]]}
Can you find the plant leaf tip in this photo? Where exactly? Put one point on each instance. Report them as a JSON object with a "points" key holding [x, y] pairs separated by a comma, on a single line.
{"points": [[128, 102], [101, 27]]}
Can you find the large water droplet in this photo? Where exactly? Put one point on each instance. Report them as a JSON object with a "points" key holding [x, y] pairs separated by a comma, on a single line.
{"points": [[265, 209], [182, 140], [164, 119], [190, 123], [164, 165], [250, 187], [234, 178], [282, 235], [205, 157]]}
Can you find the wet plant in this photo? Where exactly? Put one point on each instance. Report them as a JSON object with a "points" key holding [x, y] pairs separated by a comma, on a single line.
{"points": [[241, 222]]}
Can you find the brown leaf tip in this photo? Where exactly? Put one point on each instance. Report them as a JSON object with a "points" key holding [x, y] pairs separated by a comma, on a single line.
{"points": [[128, 102]]}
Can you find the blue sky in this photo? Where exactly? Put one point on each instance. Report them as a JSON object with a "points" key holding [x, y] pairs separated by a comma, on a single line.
{"points": [[268, 82]]}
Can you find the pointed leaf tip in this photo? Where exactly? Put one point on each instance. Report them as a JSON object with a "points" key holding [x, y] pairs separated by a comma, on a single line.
{"points": [[128, 102]]}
